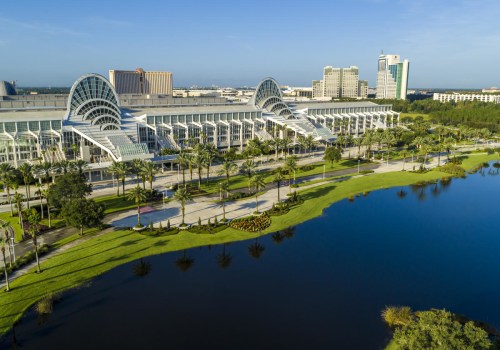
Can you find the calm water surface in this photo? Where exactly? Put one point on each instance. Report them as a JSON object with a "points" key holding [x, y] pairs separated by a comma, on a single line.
{"points": [[321, 285]]}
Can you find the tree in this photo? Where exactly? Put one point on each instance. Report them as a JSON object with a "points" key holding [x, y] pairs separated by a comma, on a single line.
{"points": [[138, 195], [439, 329], [209, 154], [257, 181], [291, 167], [81, 213], [182, 196], [26, 170], [2, 248], [332, 154], [248, 168], [7, 176], [120, 170], [18, 199], [199, 161], [227, 168], [7, 232], [183, 161], [43, 171], [150, 170], [278, 178], [34, 228], [137, 169], [72, 186], [224, 190], [80, 165]]}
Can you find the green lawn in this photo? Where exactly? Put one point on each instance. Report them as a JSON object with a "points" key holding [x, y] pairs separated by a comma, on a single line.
{"points": [[99, 254], [14, 221], [114, 203]]}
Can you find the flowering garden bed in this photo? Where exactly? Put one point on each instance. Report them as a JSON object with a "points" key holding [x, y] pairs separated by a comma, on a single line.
{"points": [[252, 223]]}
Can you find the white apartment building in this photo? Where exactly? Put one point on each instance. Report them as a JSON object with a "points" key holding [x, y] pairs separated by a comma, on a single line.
{"points": [[466, 97], [337, 83]]}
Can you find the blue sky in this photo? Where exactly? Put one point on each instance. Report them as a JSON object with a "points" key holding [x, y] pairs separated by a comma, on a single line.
{"points": [[236, 43]]}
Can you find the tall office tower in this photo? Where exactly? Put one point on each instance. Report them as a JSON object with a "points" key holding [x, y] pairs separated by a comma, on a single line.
{"points": [[337, 82], [349, 78], [363, 89], [392, 77], [141, 82]]}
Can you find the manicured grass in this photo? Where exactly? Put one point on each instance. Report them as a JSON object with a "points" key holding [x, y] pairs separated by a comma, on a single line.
{"points": [[114, 203], [14, 221], [414, 115], [99, 254]]}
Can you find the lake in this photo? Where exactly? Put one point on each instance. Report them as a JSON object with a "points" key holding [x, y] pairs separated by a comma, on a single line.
{"points": [[319, 285]]}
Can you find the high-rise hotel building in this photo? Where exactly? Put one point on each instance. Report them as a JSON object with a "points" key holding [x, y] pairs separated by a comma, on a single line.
{"points": [[141, 82], [392, 77], [337, 83]]}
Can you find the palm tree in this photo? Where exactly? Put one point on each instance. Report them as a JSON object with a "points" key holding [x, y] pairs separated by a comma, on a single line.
{"points": [[26, 170], [2, 248], [150, 170], [257, 181], [209, 154], [138, 195], [120, 170], [309, 142], [278, 178], [183, 161], [34, 226], [40, 195], [390, 140], [291, 167], [227, 168], [44, 193], [18, 199], [404, 153], [65, 166], [200, 162], [44, 170], [358, 142], [7, 227], [248, 167], [137, 168], [368, 141], [224, 190], [80, 165], [7, 176], [182, 196]]}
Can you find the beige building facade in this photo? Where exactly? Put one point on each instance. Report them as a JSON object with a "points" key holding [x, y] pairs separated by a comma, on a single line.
{"points": [[141, 82]]}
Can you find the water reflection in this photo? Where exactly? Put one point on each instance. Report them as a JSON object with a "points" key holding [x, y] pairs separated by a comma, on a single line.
{"points": [[224, 259], [256, 249], [142, 268], [185, 262]]}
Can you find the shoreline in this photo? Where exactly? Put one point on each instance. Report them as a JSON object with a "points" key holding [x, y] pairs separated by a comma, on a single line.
{"points": [[61, 275]]}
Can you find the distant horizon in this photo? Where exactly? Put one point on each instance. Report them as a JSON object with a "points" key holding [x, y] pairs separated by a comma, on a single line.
{"points": [[227, 43]]}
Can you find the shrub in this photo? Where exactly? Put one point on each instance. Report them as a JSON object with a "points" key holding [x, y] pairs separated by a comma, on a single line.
{"points": [[252, 223], [364, 172], [453, 169], [397, 316]]}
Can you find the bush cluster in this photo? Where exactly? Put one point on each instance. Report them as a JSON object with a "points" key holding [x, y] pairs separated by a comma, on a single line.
{"points": [[453, 169], [252, 223]]}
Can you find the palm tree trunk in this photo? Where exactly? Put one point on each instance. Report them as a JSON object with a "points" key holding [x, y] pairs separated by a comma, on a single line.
{"points": [[81, 230], [123, 184], [7, 287], [36, 255], [138, 215], [117, 186], [224, 209], [289, 183], [10, 202], [151, 183], [257, 201], [278, 191], [182, 210], [27, 186], [41, 204], [48, 213], [199, 179]]}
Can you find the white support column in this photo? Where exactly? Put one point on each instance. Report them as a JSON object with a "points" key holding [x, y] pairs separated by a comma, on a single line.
{"points": [[241, 137], [357, 125]]}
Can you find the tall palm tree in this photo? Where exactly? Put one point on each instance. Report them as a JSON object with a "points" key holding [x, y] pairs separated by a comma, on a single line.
{"points": [[291, 167], [190, 163], [65, 166], [7, 232], [183, 161], [44, 170], [2, 248], [80, 165], [121, 170], [34, 227], [136, 168], [227, 168], [224, 190], [257, 181], [18, 199], [45, 193], [404, 153], [278, 178], [309, 142], [26, 170], [358, 142], [209, 154], [7, 176], [248, 167], [40, 195], [138, 195], [150, 170], [199, 161], [182, 195]]}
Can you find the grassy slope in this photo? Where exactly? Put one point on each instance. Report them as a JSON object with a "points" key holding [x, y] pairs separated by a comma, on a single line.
{"points": [[97, 255]]}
